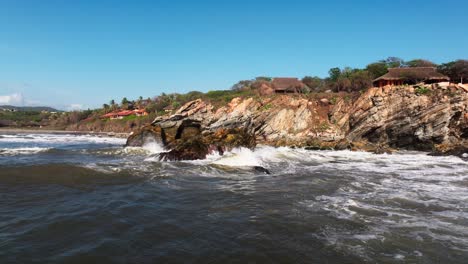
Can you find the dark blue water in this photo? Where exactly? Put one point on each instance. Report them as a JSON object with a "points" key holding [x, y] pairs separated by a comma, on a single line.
{"points": [[86, 199]]}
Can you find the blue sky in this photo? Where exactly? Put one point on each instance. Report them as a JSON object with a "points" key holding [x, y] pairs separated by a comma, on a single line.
{"points": [[75, 54]]}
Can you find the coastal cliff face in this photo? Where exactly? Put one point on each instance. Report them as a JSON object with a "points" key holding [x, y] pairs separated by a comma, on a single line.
{"points": [[381, 119]]}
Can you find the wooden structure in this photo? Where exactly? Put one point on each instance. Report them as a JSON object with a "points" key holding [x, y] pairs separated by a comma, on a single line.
{"points": [[413, 75], [287, 85]]}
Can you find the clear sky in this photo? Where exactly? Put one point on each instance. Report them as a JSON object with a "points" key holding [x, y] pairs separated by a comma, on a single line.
{"points": [[73, 54]]}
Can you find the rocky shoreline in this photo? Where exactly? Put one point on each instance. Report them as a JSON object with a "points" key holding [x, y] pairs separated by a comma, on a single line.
{"points": [[55, 131], [431, 118]]}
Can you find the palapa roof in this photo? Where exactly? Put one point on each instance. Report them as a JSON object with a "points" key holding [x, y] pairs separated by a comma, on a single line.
{"points": [[283, 84], [423, 73], [109, 115]]}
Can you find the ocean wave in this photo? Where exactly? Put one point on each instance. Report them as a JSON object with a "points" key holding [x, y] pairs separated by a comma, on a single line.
{"points": [[22, 151], [66, 175], [60, 138], [344, 159]]}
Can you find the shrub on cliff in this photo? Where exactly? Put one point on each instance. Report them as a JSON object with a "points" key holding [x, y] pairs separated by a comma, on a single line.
{"points": [[456, 70], [348, 79]]}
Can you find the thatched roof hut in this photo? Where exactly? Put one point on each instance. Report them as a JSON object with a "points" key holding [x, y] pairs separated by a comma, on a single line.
{"points": [[287, 85], [399, 76]]}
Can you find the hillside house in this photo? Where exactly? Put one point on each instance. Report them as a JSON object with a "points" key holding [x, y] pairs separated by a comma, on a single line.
{"points": [[140, 112], [287, 85], [123, 113], [401, 76]]}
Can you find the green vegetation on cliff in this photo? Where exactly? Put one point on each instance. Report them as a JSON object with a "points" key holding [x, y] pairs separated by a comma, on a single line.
{"points": [[347, 80]]}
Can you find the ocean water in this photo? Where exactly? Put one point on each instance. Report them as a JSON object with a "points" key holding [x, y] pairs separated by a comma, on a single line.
{"points": [[87, 199]]}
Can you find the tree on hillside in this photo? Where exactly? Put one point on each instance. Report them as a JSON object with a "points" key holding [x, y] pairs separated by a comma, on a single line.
{"points": [[377, 69], [126, 104], [348, 79], [360, 79], [263, 78], [139, 103], [334, 73], [394, 62], [242, 85], [113, 105], [420, 63], [456, 70]]}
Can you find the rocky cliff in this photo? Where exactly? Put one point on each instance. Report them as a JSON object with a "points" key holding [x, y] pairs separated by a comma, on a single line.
{"points": [[431, 118]]}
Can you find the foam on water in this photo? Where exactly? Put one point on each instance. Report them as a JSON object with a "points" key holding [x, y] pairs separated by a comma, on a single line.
{"points": [[153, 147], [60, 138], [386, 191], [21, 151], [409, 195], [238, 157]]}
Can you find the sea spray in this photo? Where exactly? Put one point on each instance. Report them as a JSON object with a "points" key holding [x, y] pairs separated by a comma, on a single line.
{"points": [[153, 147]]}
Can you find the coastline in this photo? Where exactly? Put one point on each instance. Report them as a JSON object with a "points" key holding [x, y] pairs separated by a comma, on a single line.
{"points": [[4, 130]]}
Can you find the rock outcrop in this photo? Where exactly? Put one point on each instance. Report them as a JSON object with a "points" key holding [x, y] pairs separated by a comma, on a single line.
{"points": [[381, 119]]}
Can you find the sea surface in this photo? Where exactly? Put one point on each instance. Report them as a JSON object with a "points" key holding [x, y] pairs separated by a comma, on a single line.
{"points": [[87, 199]]}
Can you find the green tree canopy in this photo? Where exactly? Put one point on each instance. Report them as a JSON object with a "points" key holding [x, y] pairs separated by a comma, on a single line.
{"points": [[420, 63], [334, 73], [377, 69], [456, 70]]}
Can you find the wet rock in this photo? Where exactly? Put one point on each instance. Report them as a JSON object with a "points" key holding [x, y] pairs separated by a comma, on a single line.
{"points": [[458, 150], [261, 169], [144, 135], [187, 149]]}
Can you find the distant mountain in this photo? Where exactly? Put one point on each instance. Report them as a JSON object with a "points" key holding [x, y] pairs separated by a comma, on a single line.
{"points": [[29, 108]]}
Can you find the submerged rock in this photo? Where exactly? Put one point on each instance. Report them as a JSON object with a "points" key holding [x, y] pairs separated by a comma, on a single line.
{"points": [[261, 169]]}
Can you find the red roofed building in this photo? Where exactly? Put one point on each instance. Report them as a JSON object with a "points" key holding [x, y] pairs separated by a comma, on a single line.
{"points": [[124, 113], [140, 112], [111, 115]]}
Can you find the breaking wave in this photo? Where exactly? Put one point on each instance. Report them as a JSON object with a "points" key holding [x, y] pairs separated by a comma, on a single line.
{"points": [[384, 208], [60, 139], [21, 151]]}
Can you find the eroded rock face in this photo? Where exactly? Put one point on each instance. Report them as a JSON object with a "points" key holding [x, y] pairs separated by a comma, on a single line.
{"points": [[401, 118], [145, 135], [379, 120]]}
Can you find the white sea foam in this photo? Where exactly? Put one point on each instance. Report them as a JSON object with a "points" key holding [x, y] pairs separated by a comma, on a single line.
{"points": [[21, 151], [387, 191], [390, 191], [60, 138], [239, 157], [153, 147]]}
